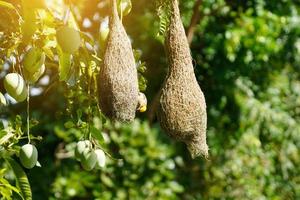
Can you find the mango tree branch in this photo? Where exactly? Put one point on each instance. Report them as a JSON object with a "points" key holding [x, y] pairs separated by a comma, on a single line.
{"points": [[194, 20]]}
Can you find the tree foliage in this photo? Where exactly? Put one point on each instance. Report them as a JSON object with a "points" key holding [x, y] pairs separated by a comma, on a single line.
{"points": [[246, 56]]}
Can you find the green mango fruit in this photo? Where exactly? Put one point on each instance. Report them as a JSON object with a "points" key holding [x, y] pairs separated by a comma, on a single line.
{"points": [[33, 60], [100, 158], [68, 39], [28, 156], [81, 147], [2, 100], [88, 160], [15, 86], [124, 7], [34, 77]]}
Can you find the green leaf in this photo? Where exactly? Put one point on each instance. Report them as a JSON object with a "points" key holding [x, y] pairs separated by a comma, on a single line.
{"points": [[5, 183], [21, 179], [64, 66], [69, 124], [6, 188], [106, 180], [72, 21], [97, 134], [163, 12], [8, 135]]}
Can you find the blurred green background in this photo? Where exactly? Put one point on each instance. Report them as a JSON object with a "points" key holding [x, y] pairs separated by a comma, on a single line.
{"points": [[247, 61]]}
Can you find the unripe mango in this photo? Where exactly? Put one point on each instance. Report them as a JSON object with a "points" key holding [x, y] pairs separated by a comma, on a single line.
{"points": [[89, 160], [33, 60], [15, 86], [100, 158], [33, 77], [81, 147], [28, 156], [68, 39]]}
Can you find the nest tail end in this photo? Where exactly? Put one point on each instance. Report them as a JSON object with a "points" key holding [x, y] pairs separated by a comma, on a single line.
{"points": [[197, 148]]}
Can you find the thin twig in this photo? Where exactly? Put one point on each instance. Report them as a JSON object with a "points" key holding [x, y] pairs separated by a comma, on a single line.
{"points": [[194, 20], [28, 120]]}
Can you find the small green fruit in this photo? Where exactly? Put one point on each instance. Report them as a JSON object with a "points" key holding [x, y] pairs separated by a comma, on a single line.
{"points": [[68, 39], [81, 147], [2, 100], [34, 77], [15, 86], [28, 156], [89, 160], [100, 158], [21, 97], [33, 60]]}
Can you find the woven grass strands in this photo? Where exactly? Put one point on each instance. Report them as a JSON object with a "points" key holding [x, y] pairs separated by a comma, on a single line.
{"points": [[118, 79], [182, 108]]}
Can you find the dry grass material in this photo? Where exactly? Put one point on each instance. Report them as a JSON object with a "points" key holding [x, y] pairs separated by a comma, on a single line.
{"points": [[118, 80], [182, 109]]}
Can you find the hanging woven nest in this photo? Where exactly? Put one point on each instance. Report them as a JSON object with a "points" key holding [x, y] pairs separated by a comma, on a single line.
{"points": [[182, 108], [118, 80]]}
